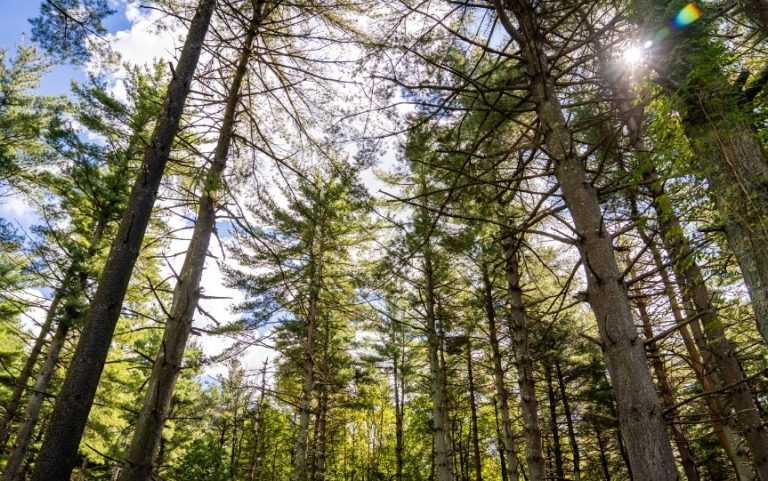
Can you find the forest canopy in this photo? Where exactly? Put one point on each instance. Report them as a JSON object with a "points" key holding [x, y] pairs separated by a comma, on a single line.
{"points": [[325, 240]]}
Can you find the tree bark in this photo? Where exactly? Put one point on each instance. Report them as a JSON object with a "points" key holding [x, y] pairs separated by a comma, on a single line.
{"points": [[440, 424], [557, 449], [300, 472], [667, 396], [506, 435], [721, 352], [70, 414], [20, 383], [399, 400], [39, 392], [502, 457], [569, 422], [640, 415], [149, 426], [718, 411], [473, 414], [518, 331], [256, 432]]}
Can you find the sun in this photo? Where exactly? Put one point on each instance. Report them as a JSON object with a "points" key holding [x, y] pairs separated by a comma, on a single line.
{"points": [[633, 56]]}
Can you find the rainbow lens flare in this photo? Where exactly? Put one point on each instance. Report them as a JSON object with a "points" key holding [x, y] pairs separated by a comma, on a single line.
{"points": [[689, 14]]}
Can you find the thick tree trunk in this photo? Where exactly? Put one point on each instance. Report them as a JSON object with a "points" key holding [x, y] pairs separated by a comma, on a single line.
{"points": [[569, 422], [149, 426], [473, 414], [518, 331], [506, 434], [640, 415], [70, 414]]}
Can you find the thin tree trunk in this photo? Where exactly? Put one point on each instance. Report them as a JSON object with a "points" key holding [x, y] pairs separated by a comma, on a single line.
{"points": [[149, 426], [20, 383], [502, 457], [718, 411], [70, 414], [728, 152], [640, 415], [39, 392], [19, 451], [473, 414], [256, 433], [667, 396], [440, 425], [554, 428], [721, 351], [518, 330], [300, 472], [569, 422], [399, 395], [507, 438], [603, 454]]}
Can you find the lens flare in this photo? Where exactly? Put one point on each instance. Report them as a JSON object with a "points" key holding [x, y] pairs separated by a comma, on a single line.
{"points": [[689, 14]]}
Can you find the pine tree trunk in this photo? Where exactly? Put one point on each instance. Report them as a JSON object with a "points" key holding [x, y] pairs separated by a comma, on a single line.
{"points": [[440, 424], [39, 392], [473, 414], [718, 412], [569, 422], [300, 471], [603, 454], [554, 428], [149, 426], [502, 456], [506, 435], [256, 432], [721, 351], [399, 395], [640, 415], [59, 450], [667, 396], [20, 383], [518, 330]]}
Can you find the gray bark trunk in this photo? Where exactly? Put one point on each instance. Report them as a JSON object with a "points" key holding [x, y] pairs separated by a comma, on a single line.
{"points": [[142, 452], [640, 416], [20, 383], [518, 330], [721, 353], [59, 451], [505, 431], [39, 392], [440, 424], [667, 396]]}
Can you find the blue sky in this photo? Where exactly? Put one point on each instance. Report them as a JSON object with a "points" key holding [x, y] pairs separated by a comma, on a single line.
{"points": [[15, 26]]}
